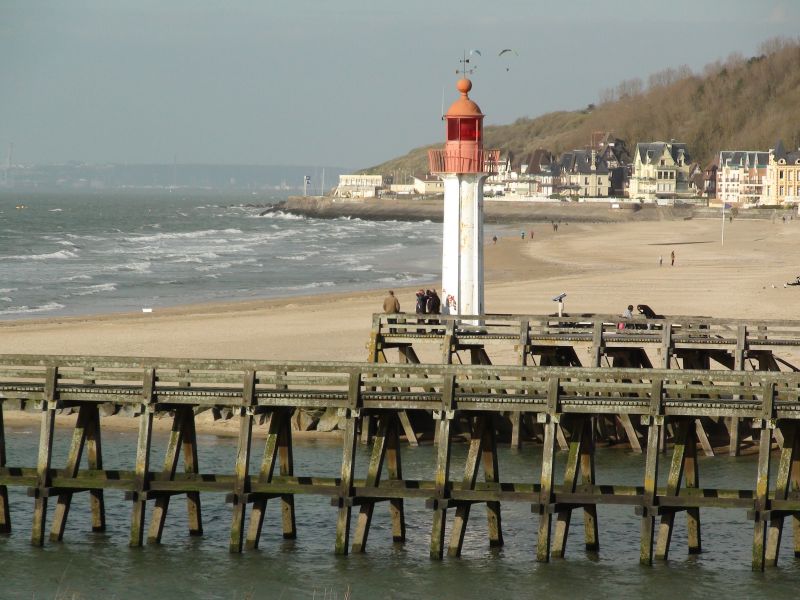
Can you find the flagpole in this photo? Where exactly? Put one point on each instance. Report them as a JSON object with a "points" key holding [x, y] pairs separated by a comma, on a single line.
{"points": [[723, 223]]}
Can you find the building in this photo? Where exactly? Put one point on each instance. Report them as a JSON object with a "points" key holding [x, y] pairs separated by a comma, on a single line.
{"points": [[358, 186], [783, 177], [428, 184], [742, 177], [582, 174], [661, 170]]}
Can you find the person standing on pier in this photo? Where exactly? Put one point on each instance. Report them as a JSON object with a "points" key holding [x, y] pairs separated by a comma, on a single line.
{"points": [[391, 304]]}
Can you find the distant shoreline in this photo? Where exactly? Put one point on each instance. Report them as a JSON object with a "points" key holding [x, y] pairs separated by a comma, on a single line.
{"points": [[515, 212]]}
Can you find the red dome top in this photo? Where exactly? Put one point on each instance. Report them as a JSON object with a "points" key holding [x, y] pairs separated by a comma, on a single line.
{"points": [[464, 107]]}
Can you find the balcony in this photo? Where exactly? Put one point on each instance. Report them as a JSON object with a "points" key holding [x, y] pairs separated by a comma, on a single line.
{"points": [[464, 161]]}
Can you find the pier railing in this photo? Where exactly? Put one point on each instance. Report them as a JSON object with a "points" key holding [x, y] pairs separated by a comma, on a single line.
{"points": [[564, 400]]}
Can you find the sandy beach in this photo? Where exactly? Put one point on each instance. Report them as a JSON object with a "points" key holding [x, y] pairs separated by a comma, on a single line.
{"points": [[602, 267]]}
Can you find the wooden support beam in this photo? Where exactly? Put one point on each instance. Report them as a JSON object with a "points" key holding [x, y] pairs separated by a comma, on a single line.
{"points": [[442, 475], [45, 456], [789, 456], [183, 437], [352, 415], [546, 498], [242, 468], [142, 469], [374, 469], [471, 467], [569, 484], [73, 464], [275, 421], [648, 509], [680, 441], [394, 471]]}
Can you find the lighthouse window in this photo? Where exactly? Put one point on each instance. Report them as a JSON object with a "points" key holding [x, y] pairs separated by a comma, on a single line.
{"points": [[469, 130]]}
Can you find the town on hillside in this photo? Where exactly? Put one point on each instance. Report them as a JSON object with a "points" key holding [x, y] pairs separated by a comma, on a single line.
{"points": [[606, 169]]}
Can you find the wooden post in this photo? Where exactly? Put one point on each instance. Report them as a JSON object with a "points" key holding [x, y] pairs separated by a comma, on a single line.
{"points": [[648, 509], [5, 512], [94, 460], [516, 416], [545, 505], [45, 456], [395, 473], [761, 501], [286, 467], [442, 476], [241, 486], [738, 365], [142, 476], [345, 500]]}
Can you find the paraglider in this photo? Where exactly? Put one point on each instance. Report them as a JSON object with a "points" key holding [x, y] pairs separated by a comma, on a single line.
{"points": [[508, 53]]}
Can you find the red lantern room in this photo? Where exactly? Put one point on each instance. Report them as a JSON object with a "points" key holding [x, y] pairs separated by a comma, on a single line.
{"points": [[463, 151]]}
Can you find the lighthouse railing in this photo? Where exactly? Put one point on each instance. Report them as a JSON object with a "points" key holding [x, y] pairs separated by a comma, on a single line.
{"points": [[463, 161]]}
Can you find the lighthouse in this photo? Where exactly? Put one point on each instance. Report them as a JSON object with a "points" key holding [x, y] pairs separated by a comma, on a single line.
{"points": [[463, 165]]}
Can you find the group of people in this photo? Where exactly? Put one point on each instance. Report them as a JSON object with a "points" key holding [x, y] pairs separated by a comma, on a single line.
{"points": [[643, 310], [428, 302]]}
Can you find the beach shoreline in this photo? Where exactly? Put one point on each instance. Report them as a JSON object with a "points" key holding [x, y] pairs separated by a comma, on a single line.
{"points": [[601, 267]]}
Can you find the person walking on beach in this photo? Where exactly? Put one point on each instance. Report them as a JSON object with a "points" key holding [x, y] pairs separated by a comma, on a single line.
{"points": [[672, 258], [522, 235], [494, 239], [660, 260]]}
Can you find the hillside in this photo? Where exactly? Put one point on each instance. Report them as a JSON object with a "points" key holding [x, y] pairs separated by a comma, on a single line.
{"points": [[736, 104]]}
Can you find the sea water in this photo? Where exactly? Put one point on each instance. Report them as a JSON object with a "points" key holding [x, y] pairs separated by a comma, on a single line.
{"points": [[90, 565], [103, 252]]}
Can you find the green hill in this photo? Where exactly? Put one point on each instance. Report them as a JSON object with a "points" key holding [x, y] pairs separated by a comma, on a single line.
{"points": [[736, 104]]}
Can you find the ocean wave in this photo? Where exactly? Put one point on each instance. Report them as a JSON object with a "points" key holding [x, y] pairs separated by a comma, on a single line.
{"points": [[6, 299], [59, 255], [8, 290], [311, 286], [279, 214], [158, 237], [96, 289], [76, 278], [20, 310], [56, 210], [133, 267]]}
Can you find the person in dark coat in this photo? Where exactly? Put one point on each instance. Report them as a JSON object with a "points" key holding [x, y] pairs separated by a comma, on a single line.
{"points": [[433, 304]]}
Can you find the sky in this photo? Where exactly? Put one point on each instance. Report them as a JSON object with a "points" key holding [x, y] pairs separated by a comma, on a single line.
{"points": [[347, 83]]}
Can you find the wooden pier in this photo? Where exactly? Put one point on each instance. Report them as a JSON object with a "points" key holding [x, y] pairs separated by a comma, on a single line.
{"points": [[566, 399], [595, 340]]}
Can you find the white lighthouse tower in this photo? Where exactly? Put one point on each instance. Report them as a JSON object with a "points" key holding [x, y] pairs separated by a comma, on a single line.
{"points": [[463, 165]]}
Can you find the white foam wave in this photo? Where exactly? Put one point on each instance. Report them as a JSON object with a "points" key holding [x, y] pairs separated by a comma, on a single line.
{"points": [[158, 237], [311, 286], [60, 255], [77, 278], [5, 299], [279, 214], [20, 310], [56, 210], [96, 289]]}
